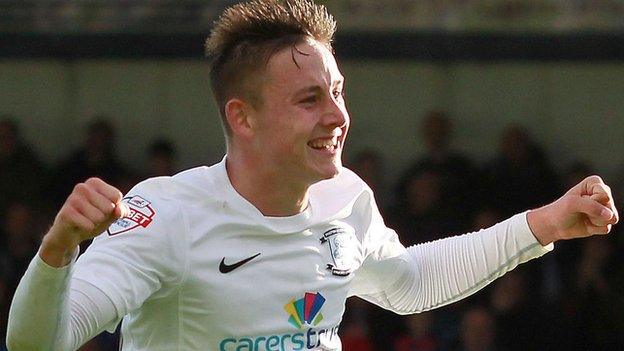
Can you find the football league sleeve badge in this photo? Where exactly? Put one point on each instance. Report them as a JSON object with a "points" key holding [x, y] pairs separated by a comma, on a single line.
{"points": [[141, 215]]}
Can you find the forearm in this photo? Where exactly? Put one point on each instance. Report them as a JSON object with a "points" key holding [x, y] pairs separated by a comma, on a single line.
{"points": [[46, 314], [445, 271], [39, 306]]}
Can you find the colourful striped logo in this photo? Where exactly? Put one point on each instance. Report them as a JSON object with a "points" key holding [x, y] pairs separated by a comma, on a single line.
{"points": [[305, 311]]}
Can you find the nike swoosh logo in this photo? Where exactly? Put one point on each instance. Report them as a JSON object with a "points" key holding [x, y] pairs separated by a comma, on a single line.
{"points": [[227, 268]]}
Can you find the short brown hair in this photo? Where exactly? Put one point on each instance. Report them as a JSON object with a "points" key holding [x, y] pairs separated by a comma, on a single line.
{"points": [[246, 36]]}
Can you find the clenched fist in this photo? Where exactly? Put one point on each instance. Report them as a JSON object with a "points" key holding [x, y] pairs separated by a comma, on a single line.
{"points": [[586, 209], [88, 211]]}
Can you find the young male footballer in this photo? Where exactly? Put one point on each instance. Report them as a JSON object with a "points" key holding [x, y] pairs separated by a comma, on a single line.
{"points": [[260, 251]]}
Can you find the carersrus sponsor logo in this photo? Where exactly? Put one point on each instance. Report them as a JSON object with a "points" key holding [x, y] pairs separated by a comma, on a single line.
{"points": [[304, 315]]}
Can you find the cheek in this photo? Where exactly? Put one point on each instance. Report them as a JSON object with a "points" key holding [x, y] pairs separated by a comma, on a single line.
{"points": [[283, 141], [288, 130]]}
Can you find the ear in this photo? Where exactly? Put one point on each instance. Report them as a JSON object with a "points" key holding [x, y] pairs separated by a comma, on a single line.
{"points": [[239, 115]]}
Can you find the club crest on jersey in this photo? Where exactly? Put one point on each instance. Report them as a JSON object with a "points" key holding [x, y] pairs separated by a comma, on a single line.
{"points": [[342, 244], [141, 215]]}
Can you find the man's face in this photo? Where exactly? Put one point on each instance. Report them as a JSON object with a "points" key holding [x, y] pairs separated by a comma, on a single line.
{"points": [[302, 121]]}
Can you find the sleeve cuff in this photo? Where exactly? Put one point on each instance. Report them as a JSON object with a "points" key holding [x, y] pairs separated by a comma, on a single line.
{"points": [[39, 265], [524, 235]]}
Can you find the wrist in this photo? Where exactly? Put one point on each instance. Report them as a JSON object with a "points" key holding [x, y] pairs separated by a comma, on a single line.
{"points": [[541, 227], [55, 252]]}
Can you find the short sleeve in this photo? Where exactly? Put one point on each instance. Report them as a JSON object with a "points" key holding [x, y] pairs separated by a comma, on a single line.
{"points": [[141, 256]]}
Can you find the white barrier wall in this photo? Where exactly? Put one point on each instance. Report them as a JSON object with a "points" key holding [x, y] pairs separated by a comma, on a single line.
{"points": [[575, 109]]}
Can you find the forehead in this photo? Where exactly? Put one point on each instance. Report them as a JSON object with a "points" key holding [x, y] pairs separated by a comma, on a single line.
{"points": [[305, 64]]}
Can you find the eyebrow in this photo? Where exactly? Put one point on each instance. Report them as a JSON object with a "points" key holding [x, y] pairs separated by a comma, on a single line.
{"points": [[316, 88], [307, 90]]}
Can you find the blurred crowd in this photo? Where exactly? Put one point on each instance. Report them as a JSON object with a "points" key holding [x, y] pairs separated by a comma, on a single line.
{"points": [[570, 299], [110, 16], [195, 16]]}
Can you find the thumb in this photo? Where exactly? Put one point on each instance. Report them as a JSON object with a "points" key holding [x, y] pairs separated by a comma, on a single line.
{"points": [[121, 210]]}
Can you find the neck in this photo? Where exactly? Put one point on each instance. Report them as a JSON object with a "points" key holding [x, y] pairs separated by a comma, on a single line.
{"points": [[269, 190]]}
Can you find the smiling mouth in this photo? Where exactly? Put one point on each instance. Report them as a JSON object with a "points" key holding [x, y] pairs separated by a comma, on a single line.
{"points": [[327, 145], [324, 144]]}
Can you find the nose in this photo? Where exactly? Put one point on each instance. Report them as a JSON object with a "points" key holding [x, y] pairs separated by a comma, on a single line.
{"points": [[336, 115]]}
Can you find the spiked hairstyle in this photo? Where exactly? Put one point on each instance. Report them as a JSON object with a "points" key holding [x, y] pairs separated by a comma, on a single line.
{"points": [[246, 36]]}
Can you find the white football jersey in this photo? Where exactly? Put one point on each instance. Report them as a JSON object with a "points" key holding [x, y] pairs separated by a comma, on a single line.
{"points": [[197, 267]]}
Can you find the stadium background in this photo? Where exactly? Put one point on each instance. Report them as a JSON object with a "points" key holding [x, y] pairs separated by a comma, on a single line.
{"points": [[551, 69]]}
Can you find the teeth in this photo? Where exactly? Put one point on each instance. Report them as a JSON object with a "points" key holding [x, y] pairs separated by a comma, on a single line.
{"points": [[324, 143]]}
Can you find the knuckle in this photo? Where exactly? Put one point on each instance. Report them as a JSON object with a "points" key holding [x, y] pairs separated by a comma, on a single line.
{"points": [[74, 201], [595, 178], [80, 188], [93, 181], [83, 189]]}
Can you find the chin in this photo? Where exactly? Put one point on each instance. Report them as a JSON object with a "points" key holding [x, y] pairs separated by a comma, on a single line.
{"points": [[324, 170], [330, 173]]}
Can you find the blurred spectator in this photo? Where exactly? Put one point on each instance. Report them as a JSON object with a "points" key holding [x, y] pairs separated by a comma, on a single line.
{"points": [[355, 329], [368, 164], [517, 319], [96, 158], [520, 177], [599, 298], [19, 236], [419, 334], [421, 213], [161, 158], [485, 218], [591, 275], [457, 173], [22, 175], [478, 331], [20, 240]]}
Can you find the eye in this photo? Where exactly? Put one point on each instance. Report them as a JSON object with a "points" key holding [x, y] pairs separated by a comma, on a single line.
{"points": [[308, 100], [338, 93]]}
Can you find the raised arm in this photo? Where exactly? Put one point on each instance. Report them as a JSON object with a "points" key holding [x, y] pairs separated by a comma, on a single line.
{"points": [[434, 274], [48, 312]]}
